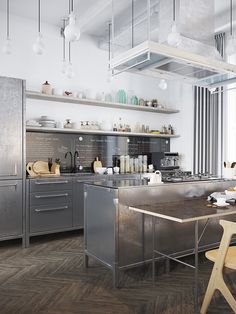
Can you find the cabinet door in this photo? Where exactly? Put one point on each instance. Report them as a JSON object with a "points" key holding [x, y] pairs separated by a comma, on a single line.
{"points": [[10, 208], [11, 113], [78, 198]]}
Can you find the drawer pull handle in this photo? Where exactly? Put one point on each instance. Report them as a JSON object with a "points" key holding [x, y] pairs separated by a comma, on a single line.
{"points": [[49, 182], [8, 185], [51, 195], [50, 209]]}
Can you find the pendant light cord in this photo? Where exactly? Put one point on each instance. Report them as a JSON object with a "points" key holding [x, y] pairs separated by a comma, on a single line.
{"points": [[174, 11], [231, 17], [8, 19], [132, 23], [69, 54], [64, 41], [39, 16], [109, 44]]}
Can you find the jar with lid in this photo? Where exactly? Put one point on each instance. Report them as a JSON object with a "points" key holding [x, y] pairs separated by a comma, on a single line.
{"points": [[46, 88], [68, 124]]}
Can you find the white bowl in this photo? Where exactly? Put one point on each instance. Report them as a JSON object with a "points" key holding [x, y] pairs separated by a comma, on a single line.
{"points": [[101, 170]]}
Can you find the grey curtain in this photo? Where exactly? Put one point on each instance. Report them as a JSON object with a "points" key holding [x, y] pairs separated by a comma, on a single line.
{"points": [[208, 126]]}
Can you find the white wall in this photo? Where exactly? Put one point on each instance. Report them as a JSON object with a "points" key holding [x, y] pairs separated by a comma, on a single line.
{"points": [[90, 64]]}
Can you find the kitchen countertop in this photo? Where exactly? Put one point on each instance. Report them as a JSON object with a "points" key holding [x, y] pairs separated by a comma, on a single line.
{"points": [[185, 210]]}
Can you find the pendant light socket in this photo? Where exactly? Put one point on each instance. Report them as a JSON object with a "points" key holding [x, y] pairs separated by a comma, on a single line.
{"points": [[38, 46], [7, 48]]}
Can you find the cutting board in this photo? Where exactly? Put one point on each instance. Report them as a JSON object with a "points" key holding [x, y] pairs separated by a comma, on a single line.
{"points": [[40, 167], [29, 168], [97, 164]]}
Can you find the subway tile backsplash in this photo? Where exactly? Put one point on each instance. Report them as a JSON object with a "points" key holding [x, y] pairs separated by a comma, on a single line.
{"points": [[41, 146]]}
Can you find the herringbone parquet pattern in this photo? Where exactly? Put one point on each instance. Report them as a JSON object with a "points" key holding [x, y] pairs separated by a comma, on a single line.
{"points": [[49, 277]]}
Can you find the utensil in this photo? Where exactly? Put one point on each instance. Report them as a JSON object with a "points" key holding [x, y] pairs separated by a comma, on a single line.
{"points": [[97, 164]]}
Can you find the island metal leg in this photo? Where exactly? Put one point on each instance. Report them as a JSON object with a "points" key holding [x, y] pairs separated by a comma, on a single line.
{"points": [[196, 305], [153, 250]]}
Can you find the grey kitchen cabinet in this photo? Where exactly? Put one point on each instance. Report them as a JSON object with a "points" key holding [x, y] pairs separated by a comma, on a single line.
{"points": [[50, 205], [11, 209]]}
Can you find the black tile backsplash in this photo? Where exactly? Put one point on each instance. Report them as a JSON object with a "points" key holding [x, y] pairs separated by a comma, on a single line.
{"points": [[41, 146]]}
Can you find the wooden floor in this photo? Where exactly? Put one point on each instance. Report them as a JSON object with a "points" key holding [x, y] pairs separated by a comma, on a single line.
{"points": [[49, 277]]}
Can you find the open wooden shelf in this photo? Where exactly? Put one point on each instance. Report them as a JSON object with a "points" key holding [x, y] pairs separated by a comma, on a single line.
{"points": [[74, 100]]}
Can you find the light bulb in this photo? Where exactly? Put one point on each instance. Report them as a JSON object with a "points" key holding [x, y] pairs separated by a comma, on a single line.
{"points": [[71, 32], [7, 48], [64, 67], [174, 38], [38, 46], [212, 89], [230, 49], [109, 76], [163, 84], [69, 71]]}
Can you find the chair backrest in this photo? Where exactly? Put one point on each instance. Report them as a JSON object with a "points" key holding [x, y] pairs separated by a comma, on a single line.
{"points": [[229, 229]]}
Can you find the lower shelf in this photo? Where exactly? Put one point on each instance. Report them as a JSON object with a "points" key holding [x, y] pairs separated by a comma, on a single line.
{"points": [[78, 131]]}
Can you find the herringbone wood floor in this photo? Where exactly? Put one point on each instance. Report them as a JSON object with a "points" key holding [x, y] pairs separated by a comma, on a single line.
{"points": [[49, 277]]}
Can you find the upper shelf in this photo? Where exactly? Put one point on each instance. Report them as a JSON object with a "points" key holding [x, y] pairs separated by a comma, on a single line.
{"points": [[69, 99]]}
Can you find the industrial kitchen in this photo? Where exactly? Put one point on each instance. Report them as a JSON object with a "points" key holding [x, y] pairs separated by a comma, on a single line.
{"points": [[118, 156]]}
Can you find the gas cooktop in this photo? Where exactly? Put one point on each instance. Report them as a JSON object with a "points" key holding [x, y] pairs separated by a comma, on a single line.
{"points": [[186, 176]]}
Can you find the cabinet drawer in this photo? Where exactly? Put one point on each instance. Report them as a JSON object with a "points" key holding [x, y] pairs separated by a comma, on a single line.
{"points": [[42, 185], [50, 217], [52, 197]]}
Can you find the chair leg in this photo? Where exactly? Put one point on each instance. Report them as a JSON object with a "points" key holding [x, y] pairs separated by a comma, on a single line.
{"points": [[227, 294], [209, 294]]}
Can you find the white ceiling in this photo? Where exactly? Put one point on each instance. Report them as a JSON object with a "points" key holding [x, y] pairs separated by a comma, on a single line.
{"points": [[92, 14]]}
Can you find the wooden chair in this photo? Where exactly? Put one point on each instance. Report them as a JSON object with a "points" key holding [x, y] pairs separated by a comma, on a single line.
{"points": [[225, 256]]}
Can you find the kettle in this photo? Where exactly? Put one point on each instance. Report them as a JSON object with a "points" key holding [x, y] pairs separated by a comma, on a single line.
{"points": [[154, 178]]}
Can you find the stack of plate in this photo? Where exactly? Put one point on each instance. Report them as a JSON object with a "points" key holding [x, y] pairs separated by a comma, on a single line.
{"points": [[47, 122]]}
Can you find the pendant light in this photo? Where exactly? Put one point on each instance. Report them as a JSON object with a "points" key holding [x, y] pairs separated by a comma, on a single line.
{"points": [[163, 84], [109, 70], [72, 32], [174, 37], [38, 46], [64, 63], [230, 49], [69, 69], [7, 48]]}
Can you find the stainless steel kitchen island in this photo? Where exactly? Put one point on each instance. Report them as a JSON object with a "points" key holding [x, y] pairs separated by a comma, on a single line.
{"points": [[121, 238]]}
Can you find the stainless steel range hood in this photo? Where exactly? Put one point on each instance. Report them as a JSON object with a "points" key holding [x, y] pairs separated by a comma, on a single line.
{"points": [[162, 61]]}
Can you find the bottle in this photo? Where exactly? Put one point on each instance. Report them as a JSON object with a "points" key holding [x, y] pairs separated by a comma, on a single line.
{"points": [[127, 165], [114, 127], [122, 164]]}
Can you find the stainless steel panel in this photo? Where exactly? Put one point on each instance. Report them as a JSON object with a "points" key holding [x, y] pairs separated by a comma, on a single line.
{"points": [[50, 217], [50, 184], [100, 213], [131, 244], [11, 112], [53, 197], [78, 197], [11, 207]]}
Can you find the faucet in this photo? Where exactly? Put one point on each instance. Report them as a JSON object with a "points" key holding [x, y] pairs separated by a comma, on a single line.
{"points": [[69, 153], [76, 155]]}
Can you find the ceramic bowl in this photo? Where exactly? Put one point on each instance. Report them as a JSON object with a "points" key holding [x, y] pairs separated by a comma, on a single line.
{"points": [[100, 170]]}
